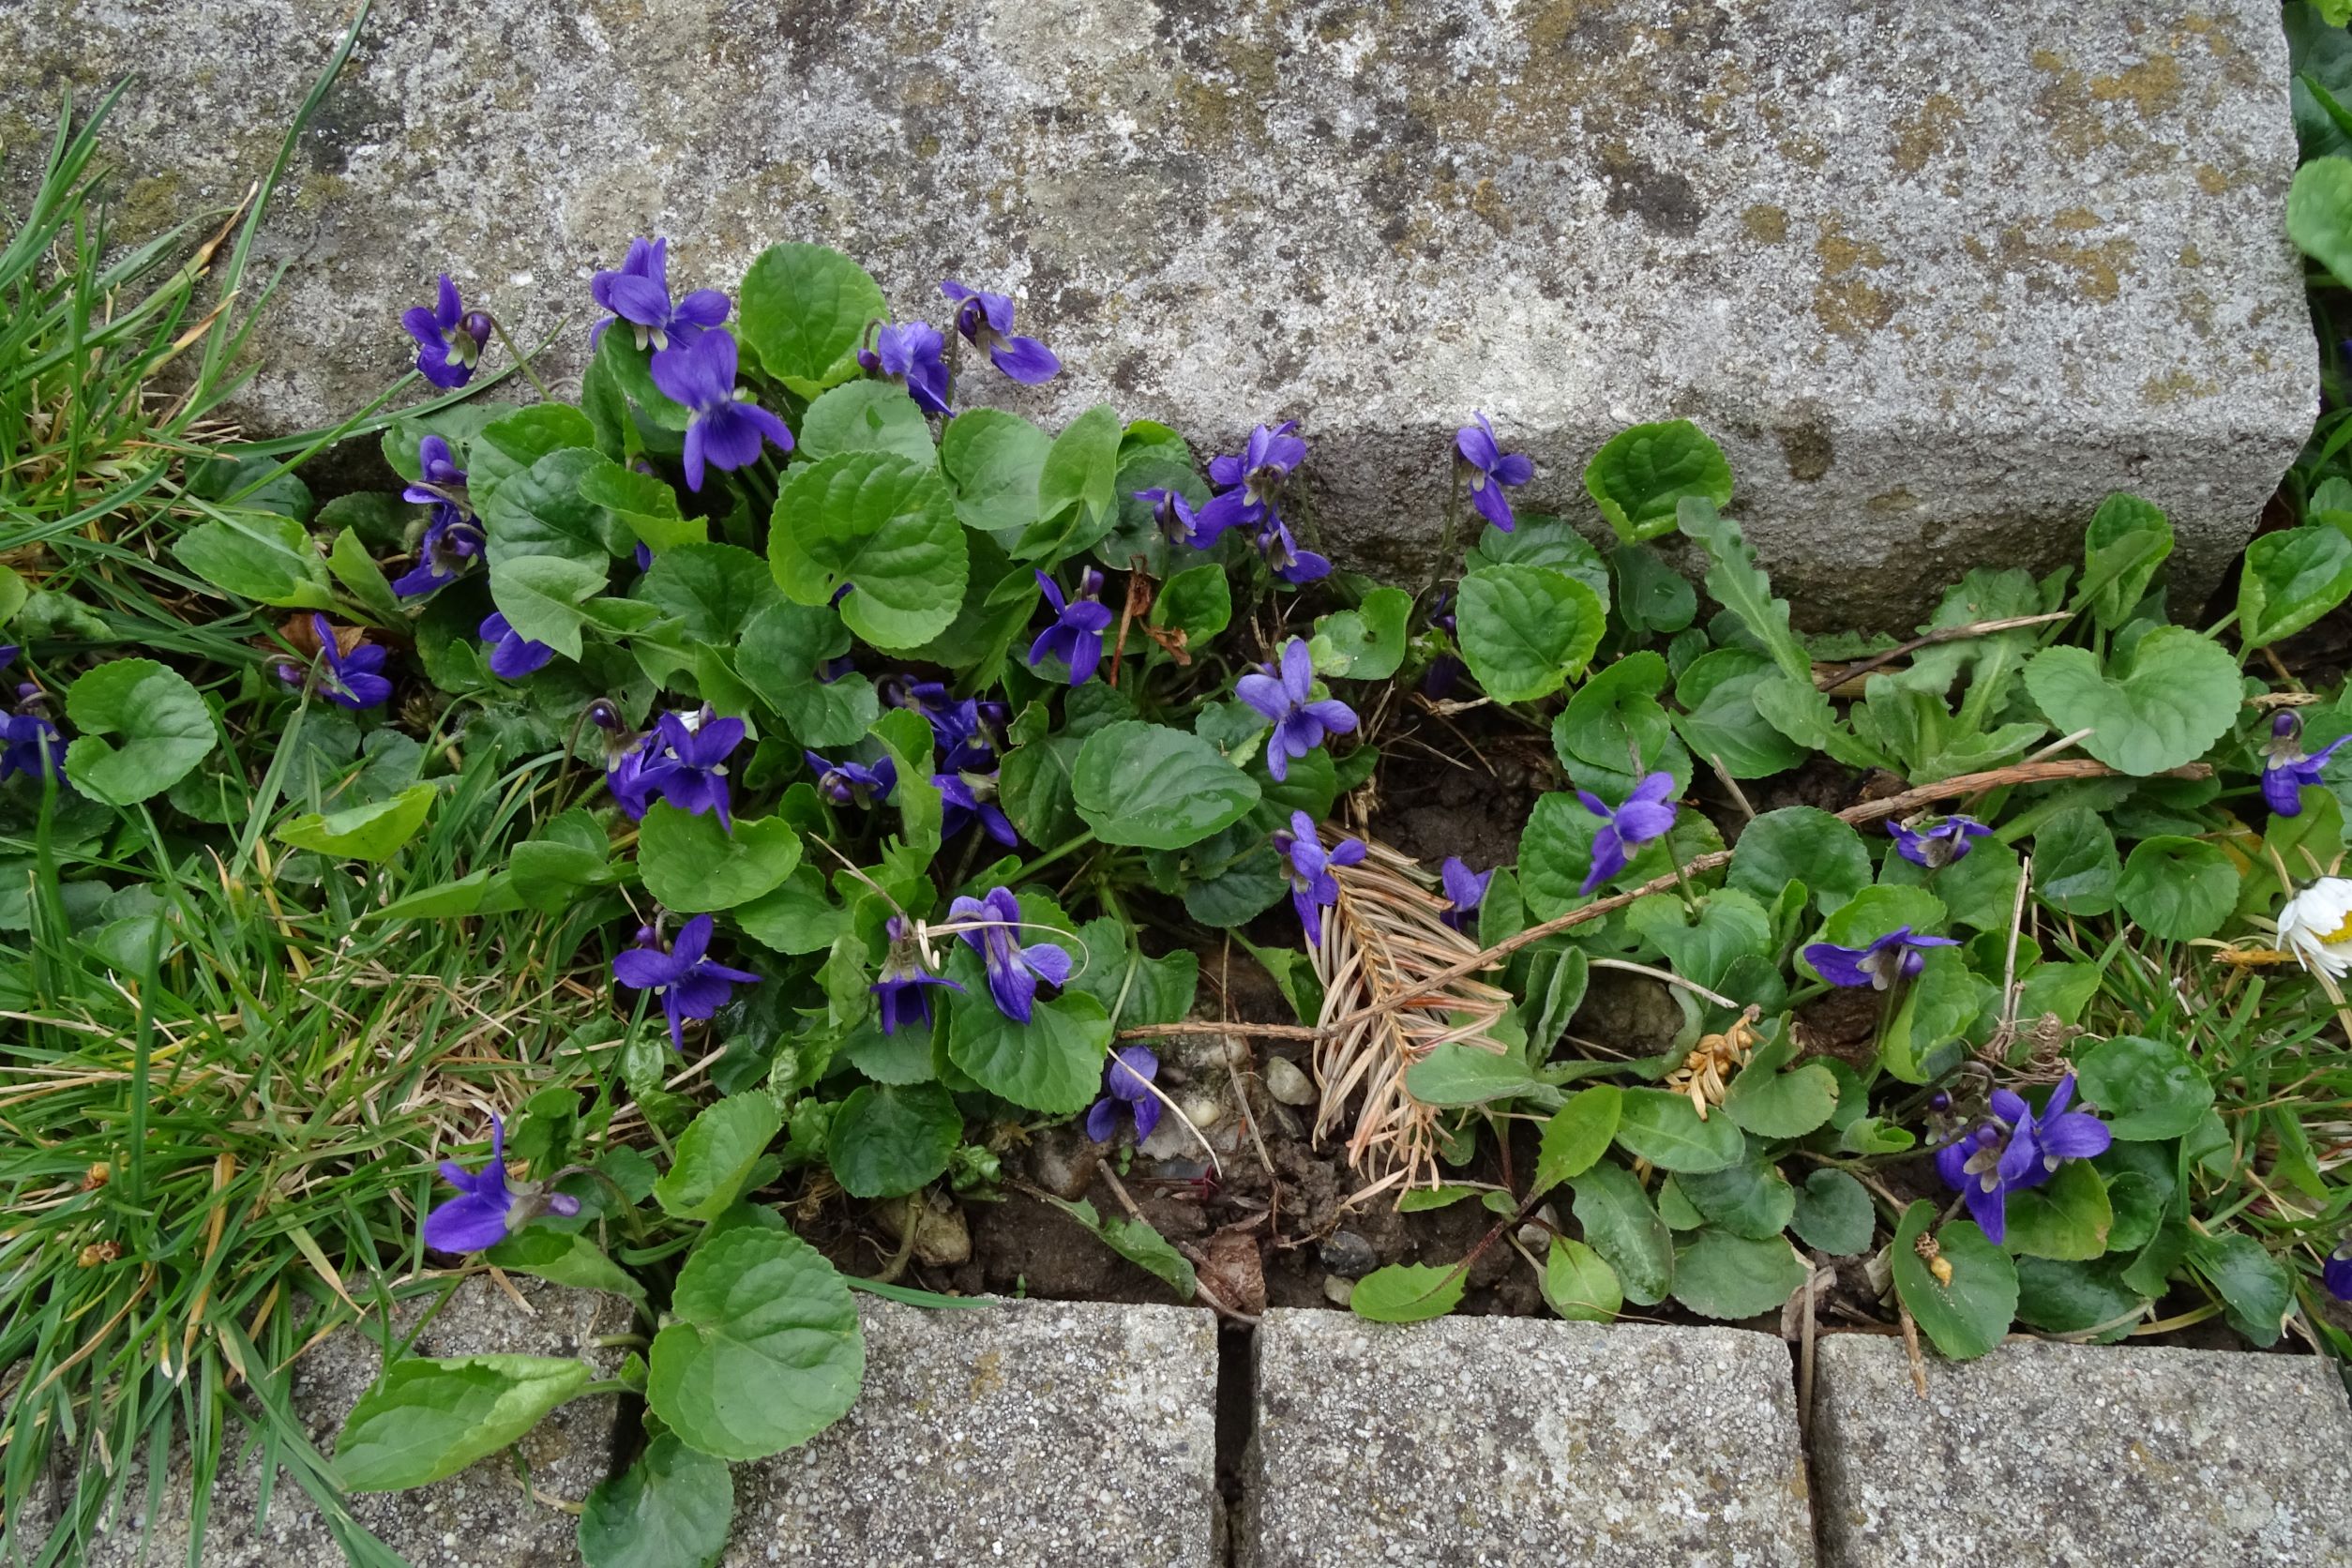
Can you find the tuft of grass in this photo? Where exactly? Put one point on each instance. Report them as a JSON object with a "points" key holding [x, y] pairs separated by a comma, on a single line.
{"points": [[221, 1109], [225, 1079]]}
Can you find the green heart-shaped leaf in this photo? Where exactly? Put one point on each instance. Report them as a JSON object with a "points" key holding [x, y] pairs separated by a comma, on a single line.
{"points": [[2159, 706], [165, 730], [763, 1351], [885, 528]]}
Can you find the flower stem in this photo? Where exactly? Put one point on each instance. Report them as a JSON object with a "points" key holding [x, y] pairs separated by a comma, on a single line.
{"points": [[1071, 847], [1445, 565], [523, 361], [1690, 896]]}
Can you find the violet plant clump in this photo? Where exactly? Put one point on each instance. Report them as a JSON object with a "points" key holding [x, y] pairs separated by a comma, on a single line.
{"points": [[976, 740]]}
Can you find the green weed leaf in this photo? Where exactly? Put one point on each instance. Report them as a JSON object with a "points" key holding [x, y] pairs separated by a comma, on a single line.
{"points": [[1524, 630], [164, 728], [2157, 706], [672, 1509], [882, 526], [1160, 788], [764, 1350], [804, 311], [1642, 474], [427, 1419]]}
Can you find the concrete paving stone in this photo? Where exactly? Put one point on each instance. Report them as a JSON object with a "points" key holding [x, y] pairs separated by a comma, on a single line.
{"points": [[482, 1517], [1938, 277], [1040, 1433], [2080, 1457], [1496, 1442]]}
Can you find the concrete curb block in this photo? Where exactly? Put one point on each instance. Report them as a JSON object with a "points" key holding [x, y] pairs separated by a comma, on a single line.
{"points": [[1522, 1441], [2106, 1455], [1041, 1432]]}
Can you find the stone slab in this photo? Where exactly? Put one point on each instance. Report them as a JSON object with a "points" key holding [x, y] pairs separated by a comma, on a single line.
{"points": [[1939, 277], [484, 1517], [2080, 1457], [1506, 1441], [1034, 1432]]}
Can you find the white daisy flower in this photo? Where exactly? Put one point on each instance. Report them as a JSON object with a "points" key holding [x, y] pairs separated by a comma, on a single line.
{"points": [[2316, 926]]}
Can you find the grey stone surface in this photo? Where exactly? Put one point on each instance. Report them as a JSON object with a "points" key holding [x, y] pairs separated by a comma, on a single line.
{"points": [[1498, 1441], [2066, 1457], [1938, 277], [1033, 1433], [482, 1517]]}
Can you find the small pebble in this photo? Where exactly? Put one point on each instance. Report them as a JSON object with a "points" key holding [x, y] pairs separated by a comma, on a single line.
{"points": [[1337, 1290], [1286, 1083], [1344, 1252], [1202, 1110]]}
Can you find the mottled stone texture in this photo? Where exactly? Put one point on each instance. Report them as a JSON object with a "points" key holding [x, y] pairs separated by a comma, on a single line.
{"points": [[2068, 1456], [1034, 1432], [1515, 1442], [1938, 277], [481, 1517]]}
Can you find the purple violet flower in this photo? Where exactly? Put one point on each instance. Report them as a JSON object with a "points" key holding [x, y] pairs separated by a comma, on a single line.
{"points": [[1013, 971], [487, 1210], [449, 338], [985, 320], [1648, 814], [969, 797], [910, 356], [689, 984], [1491, 469], [2015, 1148], [441, 481], [1284, 693], [29, 743], [1286, 560], [450, 543], [1989, 1162], [627, 759], [1312, 887], [1075, 641], [1465, 888], [2060, 1135], [1897, 955], [2336, 1273], [729, 428], [969, 733], [512, 655], [690, 767], [956, 722], [352, 680], [1127, 1073], [898, 990], [637, 293], [1247, 483], [1938, 846], [2285, 769], [854, 783], [1175, 518]]}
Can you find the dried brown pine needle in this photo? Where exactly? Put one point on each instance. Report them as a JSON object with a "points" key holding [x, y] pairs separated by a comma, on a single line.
{"points": [[1384, 947]]}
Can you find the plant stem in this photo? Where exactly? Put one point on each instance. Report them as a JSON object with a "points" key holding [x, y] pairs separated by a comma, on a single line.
{"points": [[523, 361], [1069, 846]]}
